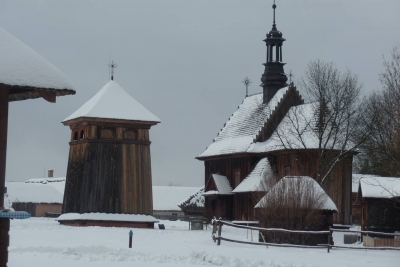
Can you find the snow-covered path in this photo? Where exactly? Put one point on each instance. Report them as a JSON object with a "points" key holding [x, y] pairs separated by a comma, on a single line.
{"points": [[43, 242]]}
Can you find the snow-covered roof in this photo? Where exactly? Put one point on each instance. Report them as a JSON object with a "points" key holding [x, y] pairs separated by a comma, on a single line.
{"points": [[33, 193], [305, 182], [380, 187], [169, 197], [222, 185], [240, 131], [286, 135], [195, 200], [297, 130], [113, 102], [21, 66], [107, 217], [356, 180], [254, 181]]}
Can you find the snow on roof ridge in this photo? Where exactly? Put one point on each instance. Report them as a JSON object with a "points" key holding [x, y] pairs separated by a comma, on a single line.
{"points": [[222, 184], [113, 102], [244, 125], [258, 132], [197, 196], [328, 204], [252, 182], [22, 66], [229, 119], [380, 187]]}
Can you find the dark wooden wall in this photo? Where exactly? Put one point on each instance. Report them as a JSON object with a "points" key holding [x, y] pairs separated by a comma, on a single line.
{"points": [[355, 209], [295, 163], [380, 215], [109, 171], [244, 206], [228, 166], [223, 207], [337, 186]]}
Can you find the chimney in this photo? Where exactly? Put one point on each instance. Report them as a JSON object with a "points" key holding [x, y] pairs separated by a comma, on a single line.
{"points": [[50, 173]]}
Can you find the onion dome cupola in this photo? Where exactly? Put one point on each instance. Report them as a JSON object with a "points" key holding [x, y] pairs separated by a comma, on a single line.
{"points": [[274, 77]]}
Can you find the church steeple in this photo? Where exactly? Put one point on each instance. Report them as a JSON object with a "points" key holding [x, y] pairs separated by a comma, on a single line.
{"points": [[274, 77]]}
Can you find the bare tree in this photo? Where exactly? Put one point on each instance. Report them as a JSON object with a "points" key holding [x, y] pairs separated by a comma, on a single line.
{"points": [[381, 152], [333, 125], [294, 204]]}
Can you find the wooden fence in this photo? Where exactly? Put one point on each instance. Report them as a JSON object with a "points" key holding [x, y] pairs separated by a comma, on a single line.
{"points": [[369, 241], [217, 237]]}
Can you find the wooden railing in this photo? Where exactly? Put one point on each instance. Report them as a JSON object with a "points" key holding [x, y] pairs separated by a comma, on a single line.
{"points": [[217, 236]]}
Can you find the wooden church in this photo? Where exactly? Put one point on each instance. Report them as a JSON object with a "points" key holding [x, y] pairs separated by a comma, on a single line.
{"points": [[109, 165], [252, 148]]}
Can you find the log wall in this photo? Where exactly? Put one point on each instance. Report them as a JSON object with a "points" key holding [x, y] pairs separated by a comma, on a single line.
{"points": [[227, 168], [337, 186], [109, 171], [355, 209]]}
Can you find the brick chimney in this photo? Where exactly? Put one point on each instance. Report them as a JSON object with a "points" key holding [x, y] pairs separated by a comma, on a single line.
{"points": [[50, 173]]}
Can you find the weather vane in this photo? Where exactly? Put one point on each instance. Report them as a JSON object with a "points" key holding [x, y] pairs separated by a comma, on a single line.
{"points": [[247, 82], [112, 66]]}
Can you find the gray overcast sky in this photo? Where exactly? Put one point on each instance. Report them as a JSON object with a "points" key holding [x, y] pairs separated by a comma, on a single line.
{"points": [[184, 61]]}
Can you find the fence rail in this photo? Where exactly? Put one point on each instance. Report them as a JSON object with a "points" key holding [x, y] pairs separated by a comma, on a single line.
{"points": [[217, 231]]}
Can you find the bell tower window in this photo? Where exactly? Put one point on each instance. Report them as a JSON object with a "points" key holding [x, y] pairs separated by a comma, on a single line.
{"points": [[75, 136]]}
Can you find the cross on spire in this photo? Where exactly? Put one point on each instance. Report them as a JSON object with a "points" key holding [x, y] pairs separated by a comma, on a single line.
{"points": [[274, 7], [247, 82], [112, 66], [290, 76]]}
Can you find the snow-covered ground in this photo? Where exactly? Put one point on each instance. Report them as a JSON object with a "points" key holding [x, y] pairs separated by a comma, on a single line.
{"points": [[43, 242]]}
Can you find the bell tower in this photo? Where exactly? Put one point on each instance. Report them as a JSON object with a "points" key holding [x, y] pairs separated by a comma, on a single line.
{"points": [[109, 166], [274, 77]]}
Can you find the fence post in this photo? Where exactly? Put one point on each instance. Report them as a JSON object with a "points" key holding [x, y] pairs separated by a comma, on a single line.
{"points": [[130, 238], [329, 239], [219, 233]]}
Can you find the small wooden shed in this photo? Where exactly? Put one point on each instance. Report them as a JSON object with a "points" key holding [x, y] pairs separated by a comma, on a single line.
{"points": [[380, 204], [40, 200]]}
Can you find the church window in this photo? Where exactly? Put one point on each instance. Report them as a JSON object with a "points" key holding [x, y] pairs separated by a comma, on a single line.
{"points": [[82, 135]]}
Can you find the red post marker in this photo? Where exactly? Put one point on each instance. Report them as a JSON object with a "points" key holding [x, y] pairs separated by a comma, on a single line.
{"points": [[130, 239]]}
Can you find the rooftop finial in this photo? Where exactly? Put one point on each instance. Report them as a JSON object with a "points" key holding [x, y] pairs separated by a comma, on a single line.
{"points": [[274, 7], [247, 82], [112, 66]]}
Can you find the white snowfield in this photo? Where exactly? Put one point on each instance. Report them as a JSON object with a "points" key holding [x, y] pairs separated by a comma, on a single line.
{"points": [[43, 242], [22, 66]]}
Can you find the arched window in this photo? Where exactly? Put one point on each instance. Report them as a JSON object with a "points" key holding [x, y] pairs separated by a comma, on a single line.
{"points": [[82, 135], [75, 136]]}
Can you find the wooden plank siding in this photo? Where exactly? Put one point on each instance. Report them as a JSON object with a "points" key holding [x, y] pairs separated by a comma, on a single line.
{"points": [[380, 215], [337, 185], [355, 209], [289, 162], [109, 171]]}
